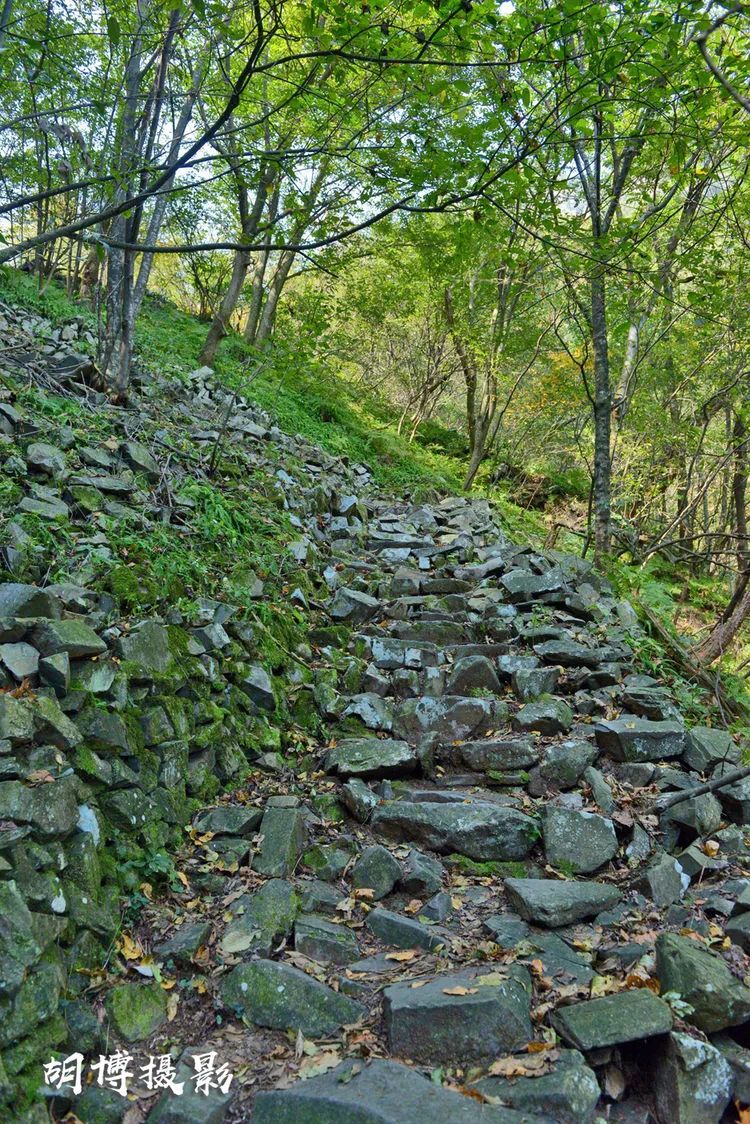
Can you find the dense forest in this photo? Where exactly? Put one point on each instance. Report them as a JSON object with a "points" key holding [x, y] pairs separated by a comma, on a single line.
{"points": [[471, 281]]}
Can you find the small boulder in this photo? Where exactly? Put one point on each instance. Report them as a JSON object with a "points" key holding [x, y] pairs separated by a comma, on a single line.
{"points": [[281, 997], [376, 869], [553, 904], [692, 1081], [136, 1010], [580, 841]]}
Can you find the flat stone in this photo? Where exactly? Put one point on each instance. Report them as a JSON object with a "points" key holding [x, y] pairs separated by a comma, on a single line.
{"points": [[140, 459], [228, 820], [739, 1059], [258, 687], [327, 861], [184, 945], [738, 930], [565, 763], [546, 716], [376, 1092], [19, 948], [499, 754], [261, 919], [581, 841], [54, 671], [422, 874], [351, 605], [568, 1094], [506, 929], [284, 833], [136, 1010], [322, 940], [702, 979], [376, 869], [692, 1081], [488, 1014], [403, 932], [480, 831], [284, 998], [707, 748], [46, 509], [451, 717], [104, 481], [193, 1105], [50, 809], [639, 739], [560, 963], [20, 660], [664, 880], [568, 653], [371, 757], [700, 813], [473, 673], [374, 712], [554, 904], [46, 458], [320, 897], [359, 799], [522, 585], [438, 908], [18, 600], [531, 683], [388, 653], [16, 720], [147, 650], [626, 1016], [74, 637]]}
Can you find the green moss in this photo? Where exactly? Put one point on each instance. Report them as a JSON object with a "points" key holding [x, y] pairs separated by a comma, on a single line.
{"points": [[132, 587], [490, 869]]}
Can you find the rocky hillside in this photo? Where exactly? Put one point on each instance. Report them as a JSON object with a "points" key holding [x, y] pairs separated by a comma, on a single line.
{"points": [[351, 793]]}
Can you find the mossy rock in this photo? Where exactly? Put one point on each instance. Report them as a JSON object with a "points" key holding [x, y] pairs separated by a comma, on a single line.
{"points": [[36, 1046], [136, 1010]]}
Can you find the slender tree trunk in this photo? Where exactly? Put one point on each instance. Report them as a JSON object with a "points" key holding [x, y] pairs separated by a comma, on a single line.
{"points": [[268, 316], [739, 493], [256, 297], [602, 417], [724, 631], [220, 326]]}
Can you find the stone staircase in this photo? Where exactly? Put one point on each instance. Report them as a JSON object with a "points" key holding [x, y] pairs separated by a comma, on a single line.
{"points": [[502, 904]]}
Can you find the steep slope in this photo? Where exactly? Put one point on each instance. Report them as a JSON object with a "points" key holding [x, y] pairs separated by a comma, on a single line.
{"points": [[440, 841]]}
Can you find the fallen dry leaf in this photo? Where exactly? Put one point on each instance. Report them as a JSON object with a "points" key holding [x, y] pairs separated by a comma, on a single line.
{"points": [[535, 1066]]}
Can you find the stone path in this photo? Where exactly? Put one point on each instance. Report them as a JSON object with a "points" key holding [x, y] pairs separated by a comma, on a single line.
{"points": [[459, 905], [499, 906]]}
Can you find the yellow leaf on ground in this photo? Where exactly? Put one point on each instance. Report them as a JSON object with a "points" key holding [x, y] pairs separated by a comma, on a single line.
{"points": [[314, 1066], [460, 990], [129, 948], [404, 956]]}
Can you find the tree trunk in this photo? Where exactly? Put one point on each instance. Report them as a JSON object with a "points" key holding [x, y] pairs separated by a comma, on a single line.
{"points": [[220, 326], [723, 632], [602, 417], [739, 492], [256, 298], [268, 316]]}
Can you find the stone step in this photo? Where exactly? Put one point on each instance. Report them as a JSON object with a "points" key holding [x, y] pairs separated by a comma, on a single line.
{"points": [[481, 831]]}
